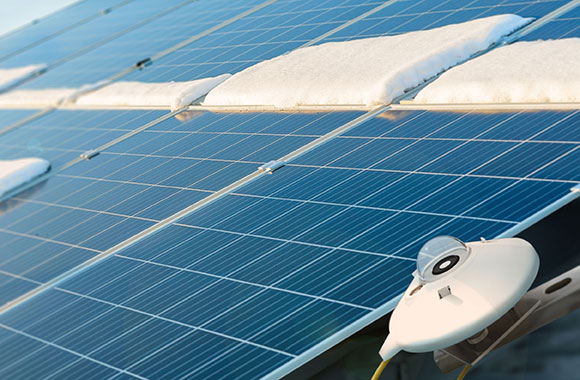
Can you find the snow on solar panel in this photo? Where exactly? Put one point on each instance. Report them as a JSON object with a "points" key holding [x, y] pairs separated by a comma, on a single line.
{"points": [[368, 71], [523, 72]]}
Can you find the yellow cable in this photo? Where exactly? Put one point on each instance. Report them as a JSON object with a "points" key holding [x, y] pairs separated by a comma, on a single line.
{"points": [[464, 372], [380, 369]]}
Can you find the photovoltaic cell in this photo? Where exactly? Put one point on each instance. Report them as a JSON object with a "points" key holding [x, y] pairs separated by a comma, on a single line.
{"points": [[288, 260], [54, 24]]}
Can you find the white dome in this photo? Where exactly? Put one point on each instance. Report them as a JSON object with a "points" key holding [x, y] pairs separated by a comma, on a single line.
{"points": [[440, 255]]}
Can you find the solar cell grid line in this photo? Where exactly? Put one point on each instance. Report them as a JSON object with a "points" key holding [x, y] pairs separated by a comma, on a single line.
{"points": [[93, 33], [407, 16], [566, 25], [274, 30], [93, 205], [55, 24], [124, 51]]}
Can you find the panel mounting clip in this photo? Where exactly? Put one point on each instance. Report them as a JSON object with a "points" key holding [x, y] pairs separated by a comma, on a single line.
{"points": [[143, 63], [90, 154], [271, 166]]}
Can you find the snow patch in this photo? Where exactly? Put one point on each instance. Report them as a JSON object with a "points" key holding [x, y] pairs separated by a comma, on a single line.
{"points": [[173, 94], [46, 97], [525, 72], [366, 72], [9, 77], [14, 173]]}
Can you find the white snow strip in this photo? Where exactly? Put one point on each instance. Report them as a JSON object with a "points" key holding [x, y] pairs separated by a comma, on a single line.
{"points": [[14, 173], [366, 72], [525, 72], [172, 94], [9, 77], [36, 98]]}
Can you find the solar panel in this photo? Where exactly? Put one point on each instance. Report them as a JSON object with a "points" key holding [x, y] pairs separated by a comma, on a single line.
{"points": [[564, 26], [10, 117], [286, 265], [142, 42], [54, 24], [61, 136], [92, 33], [407, 16], [91, 206]]}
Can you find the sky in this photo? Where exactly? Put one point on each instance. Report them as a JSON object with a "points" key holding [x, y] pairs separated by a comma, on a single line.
{"points": [[15, 13]]}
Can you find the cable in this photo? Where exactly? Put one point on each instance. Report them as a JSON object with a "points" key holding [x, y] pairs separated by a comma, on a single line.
{"points": [[464, 372], [380, 369]]}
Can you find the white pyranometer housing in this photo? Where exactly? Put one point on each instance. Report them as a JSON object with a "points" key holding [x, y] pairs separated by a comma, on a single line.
{"points": [[458, 290]]}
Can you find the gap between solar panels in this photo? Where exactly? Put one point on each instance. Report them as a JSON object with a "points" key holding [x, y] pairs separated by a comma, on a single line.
{"points": [[224, 191]]}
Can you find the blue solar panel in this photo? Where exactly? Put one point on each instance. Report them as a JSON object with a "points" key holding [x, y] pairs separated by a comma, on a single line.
{"points": [[289, 260], [407, 16], [142, 42], [273, 273], [274, 30], [566, 25], [91, 34], [55, 24], [91, 206]]}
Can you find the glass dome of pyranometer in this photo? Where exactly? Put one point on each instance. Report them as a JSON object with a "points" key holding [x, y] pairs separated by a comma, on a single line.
{"points": [[439, 256]]}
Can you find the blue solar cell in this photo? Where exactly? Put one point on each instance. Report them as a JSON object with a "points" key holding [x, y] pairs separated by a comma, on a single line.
{"points": [[42, 362], [11, 117], [140, 342]]}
